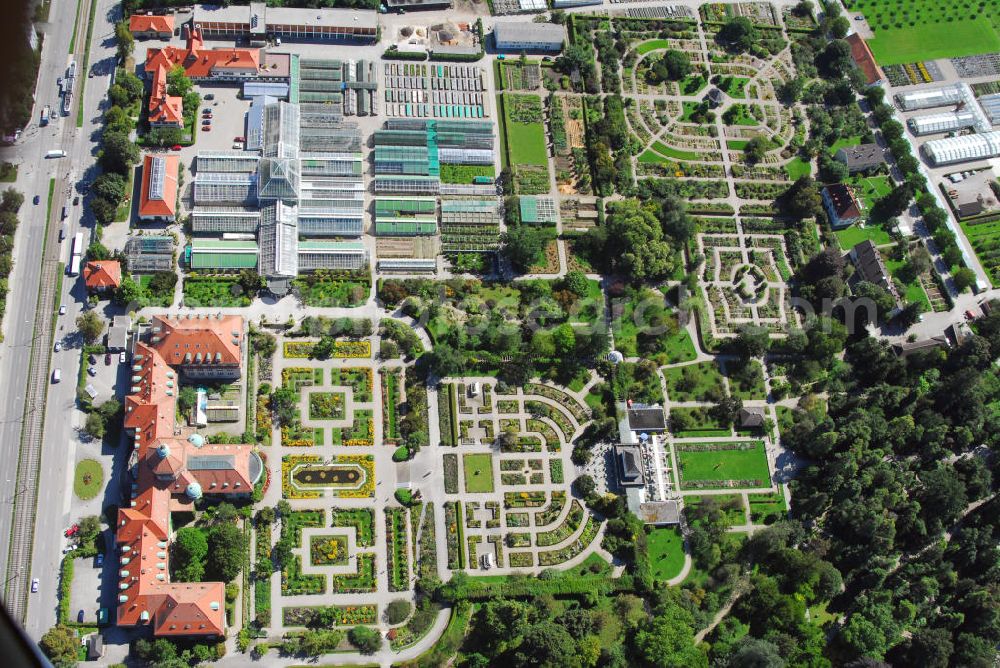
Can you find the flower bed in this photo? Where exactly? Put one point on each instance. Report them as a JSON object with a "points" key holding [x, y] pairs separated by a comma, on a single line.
{"points": [[264, 421], [552, 512], [552, 443], [361, 431], [520, 559], [580, 413], [523, 499], [326, 406], [341, 349], [328, 550], [289, 491], [399, 567], [297, 377], [513, 479], [360, 380], [554, 557], [295, 583], [362, 519], [517, 520], [519, 540], [565, 529], [342, 615], [556, 471], [390, 405], [357, 583], [454, 535], [537, 408], [450, 463]]}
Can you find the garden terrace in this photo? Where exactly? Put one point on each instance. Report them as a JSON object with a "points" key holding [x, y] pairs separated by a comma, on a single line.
{"points": [[346, 476], [565, 529], [723, 464], [363, 581], [362, 520]]}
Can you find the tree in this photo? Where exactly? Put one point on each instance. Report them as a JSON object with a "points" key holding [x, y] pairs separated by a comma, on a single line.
{"points": [[94, 426], [675, 220], [109, 186], [753, 652], [11, 201], [633, 241], [667, 641], [61, 645], [584, 486], [835, 60], [894, 203], [839, 27], [802, 199], [129, 292], [118, 152], [752, 341], [177, 82], [126, 42], [228, 547], [523, 246], [397, 611], [547, 645], [964, 278], [132, 84], [576, 282], [366, 639], [90, 325], [104, 211], [188, 553], [756, 149], [738, 33]]}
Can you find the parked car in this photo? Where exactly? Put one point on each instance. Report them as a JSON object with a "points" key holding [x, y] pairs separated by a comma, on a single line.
{"points": [[107, 359], [970, 315], [72, 530], [79, 617], [76, 200], [175, 147], [207, 128], [62, 309], [92, 370], [92, 359], [34, 585], [121, 357], [100, 559], [210, 96], [58, 346], [239, 139], [36, 199]]}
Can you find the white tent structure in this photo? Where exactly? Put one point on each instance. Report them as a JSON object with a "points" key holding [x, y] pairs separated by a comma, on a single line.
{"points": [[963, 149]]}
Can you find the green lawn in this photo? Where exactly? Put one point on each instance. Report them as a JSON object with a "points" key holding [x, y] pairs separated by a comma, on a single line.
{"points": [[8, 172], [798, 167], [734, 87], [525, 141], [844, 143], [478, 473], [694, 382], [763, 505], [213, 291], [730, 504], [709, 466], [737, 144], [934, 40], [870, 189], [87, 479], [850, 236], [652, 45], [985, 241], [332, 293], [914, 291], [674, 153], [692, 84], [666, 552]]}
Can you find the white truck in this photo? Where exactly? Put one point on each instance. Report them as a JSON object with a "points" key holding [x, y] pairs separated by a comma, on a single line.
{"points": [[55, 154]]}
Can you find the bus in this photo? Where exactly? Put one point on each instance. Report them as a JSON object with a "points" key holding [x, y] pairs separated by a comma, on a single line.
{"points": [[74, 265], [78, 244]]}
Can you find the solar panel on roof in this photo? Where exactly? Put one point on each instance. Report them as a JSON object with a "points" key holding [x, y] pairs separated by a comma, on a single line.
{"points": [[157, 172], [211, 463]]}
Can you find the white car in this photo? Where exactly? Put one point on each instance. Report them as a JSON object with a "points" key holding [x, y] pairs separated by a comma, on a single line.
{"points": [[62, 309], [34, 585], [121, 357], [58, 346]]}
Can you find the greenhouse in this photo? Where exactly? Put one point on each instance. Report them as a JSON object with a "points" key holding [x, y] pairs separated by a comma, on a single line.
{"points": [[225, 188], [537, 210], [952, 150], [403, 184], [939, 123], [226, 161], [313, 255], [388, 206], [929, 98], [222, 254], [405, 226], [225, 219]]}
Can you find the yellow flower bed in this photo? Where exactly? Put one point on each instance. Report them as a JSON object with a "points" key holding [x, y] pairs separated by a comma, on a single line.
{"points": [[367, 440], [288, 490], [297, 349], [367, 462], [341, 349]]}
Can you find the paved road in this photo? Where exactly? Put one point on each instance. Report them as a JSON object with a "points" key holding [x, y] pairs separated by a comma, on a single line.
{"points": [[27, 324]]}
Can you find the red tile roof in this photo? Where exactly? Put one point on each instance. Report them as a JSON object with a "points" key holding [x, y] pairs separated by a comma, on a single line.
{"points": [[845, 203], [165, 204], [199, 62], [865, 59], [102, 274], [144, 24], [164, 109], [199, 341], [166, 467]]}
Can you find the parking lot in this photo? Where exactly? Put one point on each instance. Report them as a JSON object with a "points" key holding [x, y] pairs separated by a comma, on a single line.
{"points": [[85, 593]]}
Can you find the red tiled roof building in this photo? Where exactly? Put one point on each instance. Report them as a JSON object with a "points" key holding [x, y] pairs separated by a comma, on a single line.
{"points": [[102, 275], [170, 474]]}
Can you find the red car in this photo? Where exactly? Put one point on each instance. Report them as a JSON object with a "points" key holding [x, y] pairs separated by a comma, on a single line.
{"points": [[239, 138], [72, 531], [206, 128], [107, 359], [175, 147]]}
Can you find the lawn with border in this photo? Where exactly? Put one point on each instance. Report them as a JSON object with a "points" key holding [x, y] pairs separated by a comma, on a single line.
{"points": [[652, 45], [707, 466], [914, 291], [985, 241], [478, 469], [674, 153], [855, 234], [766, 508], [525, 140], [666, 552], [797, 168], [87, 479], [931, 41], [746, 383]]}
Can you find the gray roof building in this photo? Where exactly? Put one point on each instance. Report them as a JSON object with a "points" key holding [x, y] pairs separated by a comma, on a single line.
{"points": [[871, 267], [660, 513], [629, 462], [529, 36], [862, 157], [752, 417], [646, 418]]}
